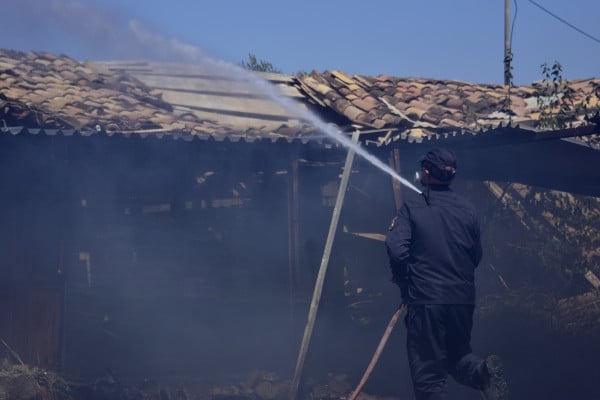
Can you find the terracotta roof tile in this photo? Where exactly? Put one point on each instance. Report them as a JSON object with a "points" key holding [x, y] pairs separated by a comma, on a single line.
{"points": [[379, 123], [391, 119], [430, 117], [401, 105], [406, 97], [415, 112], [475, 97], [346, 92], [366, 103], [439, 104], [343, 77], [450, 122], [364, 81], [419, 104], [352, 112], [342, 103], [42, 90], [385, 78], [364, 119]]}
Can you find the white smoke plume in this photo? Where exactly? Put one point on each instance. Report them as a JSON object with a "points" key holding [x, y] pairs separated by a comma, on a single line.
{"points": [[84, 30], [167, 47], [110, 35]]}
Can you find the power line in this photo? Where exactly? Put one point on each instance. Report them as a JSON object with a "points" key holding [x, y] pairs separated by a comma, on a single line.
{"points": [[563, 21]]}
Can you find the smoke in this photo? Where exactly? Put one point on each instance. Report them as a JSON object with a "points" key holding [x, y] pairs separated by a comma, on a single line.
{"points": [[109, 35], [169, 47], [86, 31]]}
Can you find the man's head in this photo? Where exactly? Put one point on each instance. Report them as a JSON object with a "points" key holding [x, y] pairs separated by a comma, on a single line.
{"points": [[438, 166]]}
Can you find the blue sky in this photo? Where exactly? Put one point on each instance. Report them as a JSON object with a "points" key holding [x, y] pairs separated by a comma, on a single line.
{"points": [[461, 39]]}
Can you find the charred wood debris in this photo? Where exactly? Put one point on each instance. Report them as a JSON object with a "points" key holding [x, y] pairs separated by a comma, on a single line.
{"points": [[23, 382]]}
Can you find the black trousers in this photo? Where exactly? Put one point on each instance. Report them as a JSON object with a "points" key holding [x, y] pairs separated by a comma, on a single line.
{"points": [[438, 345]]}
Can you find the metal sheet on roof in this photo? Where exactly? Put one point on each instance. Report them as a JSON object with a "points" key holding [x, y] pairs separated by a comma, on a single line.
{"points": [[217, 93]]}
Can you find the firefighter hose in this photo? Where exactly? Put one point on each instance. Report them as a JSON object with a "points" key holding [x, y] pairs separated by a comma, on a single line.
{"points": [[382, 343]]}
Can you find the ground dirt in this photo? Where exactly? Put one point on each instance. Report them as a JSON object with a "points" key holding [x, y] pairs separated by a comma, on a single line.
{"points": [[22, 382]]}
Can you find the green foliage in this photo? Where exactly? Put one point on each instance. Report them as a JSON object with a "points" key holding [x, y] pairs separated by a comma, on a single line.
{"points": [[254, 64], [554, 98]]}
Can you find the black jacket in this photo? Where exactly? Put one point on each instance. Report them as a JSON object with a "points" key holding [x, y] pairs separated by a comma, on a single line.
{"points": [[434, 249]]}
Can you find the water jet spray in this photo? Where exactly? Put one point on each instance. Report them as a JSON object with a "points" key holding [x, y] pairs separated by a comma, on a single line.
{"points": [[329, 130], [196, 56]]}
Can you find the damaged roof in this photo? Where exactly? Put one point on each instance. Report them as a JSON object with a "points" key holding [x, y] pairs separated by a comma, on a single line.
{"points": [[54, 92], [44, 91], [426, 107]]}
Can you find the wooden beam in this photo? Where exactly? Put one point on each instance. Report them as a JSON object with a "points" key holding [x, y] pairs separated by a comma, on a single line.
{"points": [[293, 233], [314, 305], [592, 279]]}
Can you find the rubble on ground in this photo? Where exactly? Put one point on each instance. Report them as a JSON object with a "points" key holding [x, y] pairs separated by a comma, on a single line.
{"points": [[22, 382]]}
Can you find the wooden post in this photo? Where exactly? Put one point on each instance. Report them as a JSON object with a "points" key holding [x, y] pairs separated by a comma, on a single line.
{"points": [[314, 305], [396, 186], [293, 233], [62, 362]]}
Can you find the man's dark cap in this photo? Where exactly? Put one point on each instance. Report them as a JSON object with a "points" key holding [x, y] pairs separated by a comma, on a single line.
{"points": [[443, 161]]}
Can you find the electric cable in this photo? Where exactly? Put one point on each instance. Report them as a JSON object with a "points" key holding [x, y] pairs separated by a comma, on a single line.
{"points": [[564, 21]]}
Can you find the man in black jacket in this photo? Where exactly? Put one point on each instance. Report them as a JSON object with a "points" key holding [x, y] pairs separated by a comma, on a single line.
{"points": [[434, 247]]}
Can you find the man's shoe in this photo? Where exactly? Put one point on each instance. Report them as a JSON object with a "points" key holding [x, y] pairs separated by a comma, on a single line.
{"points": [[495, 388]]}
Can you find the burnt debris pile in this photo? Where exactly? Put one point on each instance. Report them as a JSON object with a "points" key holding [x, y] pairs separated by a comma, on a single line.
{"points": [[22, 382]]}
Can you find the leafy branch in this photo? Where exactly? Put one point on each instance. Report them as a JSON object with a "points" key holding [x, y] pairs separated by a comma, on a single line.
{"points": [[556, 100], [549, 95], [254, 64]]}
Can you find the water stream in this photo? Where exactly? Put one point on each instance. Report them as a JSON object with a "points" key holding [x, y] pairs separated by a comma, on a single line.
{"points": [[266, 88]]}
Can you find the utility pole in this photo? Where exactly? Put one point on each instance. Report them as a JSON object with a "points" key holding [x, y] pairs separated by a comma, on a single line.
{"points": [[507, 51]]}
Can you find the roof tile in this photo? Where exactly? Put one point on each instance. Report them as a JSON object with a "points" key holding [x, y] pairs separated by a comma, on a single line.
{"points": [[379, 123], [454, 102], [437, 103], [400, 105], [364, 81], [415, 112], [352, 112], [391, 119], [343, 77], [450, 122], [57, 92], [419, 104], [366, 103]]}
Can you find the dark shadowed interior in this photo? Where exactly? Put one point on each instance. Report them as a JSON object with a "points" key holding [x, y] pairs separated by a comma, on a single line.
{"points": [[193, 264]]}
